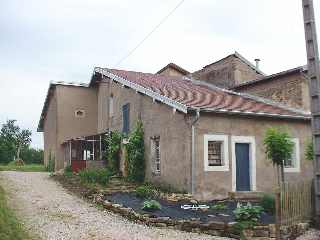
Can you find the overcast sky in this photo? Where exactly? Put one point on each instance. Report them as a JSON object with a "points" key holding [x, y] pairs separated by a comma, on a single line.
{"points": [[63, 40]]}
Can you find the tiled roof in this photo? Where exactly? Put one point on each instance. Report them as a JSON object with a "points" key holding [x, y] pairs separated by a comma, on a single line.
{"points": [[198, 95], [176, 67]]}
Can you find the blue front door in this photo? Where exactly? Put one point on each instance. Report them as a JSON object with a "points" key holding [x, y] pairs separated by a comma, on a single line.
{"points": [[242, 167]]}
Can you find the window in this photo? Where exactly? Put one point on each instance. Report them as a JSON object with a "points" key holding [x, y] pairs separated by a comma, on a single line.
{"points": [[126, 118], [216, 153], [293, 164], [111, 106], [79, 113], [155, 154]]}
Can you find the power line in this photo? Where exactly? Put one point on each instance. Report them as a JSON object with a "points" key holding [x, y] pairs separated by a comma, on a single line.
{"points": [[149, 34]]}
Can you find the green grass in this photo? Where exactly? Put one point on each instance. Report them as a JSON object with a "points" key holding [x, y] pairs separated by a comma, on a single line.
{"points": [[24, 168], [10, 228]]}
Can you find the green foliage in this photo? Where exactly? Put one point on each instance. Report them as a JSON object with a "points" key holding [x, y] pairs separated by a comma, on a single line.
{"points": [[247, 213], [51, 163], [10, 228], [24, 168], [95, 176], [32, 155], [279, 146], [219, 206], [135, 154], [309, 154], [268, 203], [147, 191], [151, 205], [240, 226], [68, 171], [113, 152]]}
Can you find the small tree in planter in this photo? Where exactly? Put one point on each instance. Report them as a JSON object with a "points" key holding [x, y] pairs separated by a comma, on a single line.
{"points": [[279, 148]]}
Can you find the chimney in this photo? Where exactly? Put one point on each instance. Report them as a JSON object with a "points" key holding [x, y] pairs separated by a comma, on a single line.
{"points": [[257, 60]]}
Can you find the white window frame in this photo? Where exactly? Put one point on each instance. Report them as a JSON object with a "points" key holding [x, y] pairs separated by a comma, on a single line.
{"points": [[252, 160], [296, 161], [225, 153], [153, 155]]}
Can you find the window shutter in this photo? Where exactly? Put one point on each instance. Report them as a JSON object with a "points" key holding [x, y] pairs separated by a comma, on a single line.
{"points": [[126, 118]]}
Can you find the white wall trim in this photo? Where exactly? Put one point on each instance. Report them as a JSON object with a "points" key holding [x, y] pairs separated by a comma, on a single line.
{"points": [[252, 160], [296, 168], [224, 139]]}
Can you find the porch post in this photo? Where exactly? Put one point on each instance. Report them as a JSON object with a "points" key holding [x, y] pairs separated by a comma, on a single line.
{"points": [[70, 154], [100, 148], [93, 148]]}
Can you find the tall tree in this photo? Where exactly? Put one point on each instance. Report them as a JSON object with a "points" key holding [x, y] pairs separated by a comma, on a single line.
{"points": [[14, 138]]}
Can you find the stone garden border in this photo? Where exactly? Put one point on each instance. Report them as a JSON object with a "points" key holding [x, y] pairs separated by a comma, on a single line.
{"points": [[215, 228]]}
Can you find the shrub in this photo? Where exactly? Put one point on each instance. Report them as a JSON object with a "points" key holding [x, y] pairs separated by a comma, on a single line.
{"points": [[51, 163], [309, 154], [113, 151], [151, 205], [219, 206], [135, 154], [247, 213], [68, 171], [268, 203], [147, 191], [94, 176]]}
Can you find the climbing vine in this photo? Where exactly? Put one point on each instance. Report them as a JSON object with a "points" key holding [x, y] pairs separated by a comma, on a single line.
{"points": [[135, 154], [113, 151]]}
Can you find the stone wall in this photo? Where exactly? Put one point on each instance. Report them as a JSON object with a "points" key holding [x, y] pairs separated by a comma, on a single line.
{"points": [[290, 89]]}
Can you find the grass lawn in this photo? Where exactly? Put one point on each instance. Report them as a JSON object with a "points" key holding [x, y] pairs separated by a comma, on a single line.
{"points": [[10, 228], [24, 168]]}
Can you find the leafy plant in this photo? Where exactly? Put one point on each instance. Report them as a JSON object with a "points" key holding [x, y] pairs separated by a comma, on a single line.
{"points": [[247, 213], [51, 163], [135, 154], [309, 154], [279, 148], [240, 226], [94, 176], [68, 171], [147, 191], [151, 205], [268, 203], [113, 151], [219, 206]]}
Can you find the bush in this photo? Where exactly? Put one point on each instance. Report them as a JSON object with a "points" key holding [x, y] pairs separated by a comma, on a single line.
{"points": [[147, 191], [268, 203], [247, 213], [151, 205], [94, 176], [309, 154], [113, 152], [68, 171], [219, 206], [31, 155], [51, 163], [135, 154]]}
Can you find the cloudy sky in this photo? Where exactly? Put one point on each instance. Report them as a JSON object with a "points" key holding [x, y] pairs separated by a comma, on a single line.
{"points": [[63, 40]]}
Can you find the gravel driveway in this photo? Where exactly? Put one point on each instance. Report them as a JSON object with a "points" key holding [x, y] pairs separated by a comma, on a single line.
{"points": [[51, 212]]}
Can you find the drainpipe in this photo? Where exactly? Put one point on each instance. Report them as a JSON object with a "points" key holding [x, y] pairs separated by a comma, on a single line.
{"points": [[193, 154]]}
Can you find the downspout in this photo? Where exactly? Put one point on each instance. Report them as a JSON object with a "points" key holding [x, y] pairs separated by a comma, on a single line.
{"points": [[193, 154]]}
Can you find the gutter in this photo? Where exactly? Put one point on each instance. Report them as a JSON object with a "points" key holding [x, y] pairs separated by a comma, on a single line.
{"points": [[193, 155]]}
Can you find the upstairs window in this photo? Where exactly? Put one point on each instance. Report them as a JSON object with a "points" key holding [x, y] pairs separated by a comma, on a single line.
{"points": [[155, 154], [216, 153], [293, 164], [126, 118]]}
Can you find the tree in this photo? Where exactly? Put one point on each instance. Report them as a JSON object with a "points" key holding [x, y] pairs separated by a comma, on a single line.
{"points": [[13, 138], [279, 148]]}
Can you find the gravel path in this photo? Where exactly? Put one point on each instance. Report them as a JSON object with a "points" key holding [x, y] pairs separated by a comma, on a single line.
{"points": [[51, 212]]}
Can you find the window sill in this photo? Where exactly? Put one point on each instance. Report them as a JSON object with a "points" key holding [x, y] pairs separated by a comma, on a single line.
{"points": [[156, 173], [216, 169], [292, 170]]}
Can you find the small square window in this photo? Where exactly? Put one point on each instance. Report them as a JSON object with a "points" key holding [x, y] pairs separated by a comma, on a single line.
{"points": [[216, 153], [79, 113]]}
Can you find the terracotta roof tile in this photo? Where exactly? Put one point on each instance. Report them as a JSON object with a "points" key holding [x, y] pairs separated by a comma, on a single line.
{"points": [[205, 97]]}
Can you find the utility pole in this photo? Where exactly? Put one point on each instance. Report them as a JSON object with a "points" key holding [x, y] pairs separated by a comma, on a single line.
{"points": [[314, 85]]}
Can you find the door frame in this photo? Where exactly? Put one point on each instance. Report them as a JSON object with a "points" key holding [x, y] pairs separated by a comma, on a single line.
{"points": [[252, 160]]}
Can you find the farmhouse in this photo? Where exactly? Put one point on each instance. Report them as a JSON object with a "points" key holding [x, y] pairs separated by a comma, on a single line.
{"points": [[203, 131]]}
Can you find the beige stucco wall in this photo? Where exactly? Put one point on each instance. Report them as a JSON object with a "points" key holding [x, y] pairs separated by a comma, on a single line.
{"points": [[50, 130], [158, 120], [218, 184]]}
